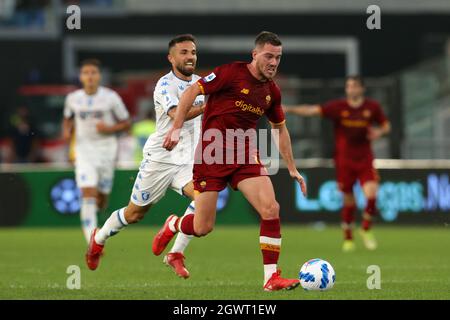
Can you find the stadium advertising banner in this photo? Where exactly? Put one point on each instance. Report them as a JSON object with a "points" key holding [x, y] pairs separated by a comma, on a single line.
{"points": [[409, 196], [405, 196], [51, 198]]}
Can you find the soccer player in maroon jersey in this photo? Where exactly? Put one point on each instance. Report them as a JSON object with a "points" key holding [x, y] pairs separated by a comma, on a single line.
{"points": [[239, 94], [354, 118]]}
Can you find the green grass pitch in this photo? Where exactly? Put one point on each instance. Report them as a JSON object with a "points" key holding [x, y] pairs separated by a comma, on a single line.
{"points": [[227, 264]]}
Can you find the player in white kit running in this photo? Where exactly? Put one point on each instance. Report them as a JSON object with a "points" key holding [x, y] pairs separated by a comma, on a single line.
{"points": [[96, 114], [161, 169]]}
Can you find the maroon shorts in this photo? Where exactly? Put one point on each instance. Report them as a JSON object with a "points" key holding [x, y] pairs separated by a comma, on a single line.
{"points": [[215, 177], [348, 172]]}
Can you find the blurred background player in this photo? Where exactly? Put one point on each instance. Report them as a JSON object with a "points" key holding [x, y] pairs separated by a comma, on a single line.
{"points": [[353, 119], [24, 137], [161, 169], [252, 84], [96, 114], [141, 130]]}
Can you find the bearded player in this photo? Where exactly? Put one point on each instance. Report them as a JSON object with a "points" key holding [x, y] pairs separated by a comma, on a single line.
{"points": [[239, 94], [161, 169], [357, 121], [96, 114]]}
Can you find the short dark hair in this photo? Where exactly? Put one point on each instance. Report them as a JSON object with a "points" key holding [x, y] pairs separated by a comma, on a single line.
{"points": [[91, 62], [181, 38], [357, 78], [267, 37]]}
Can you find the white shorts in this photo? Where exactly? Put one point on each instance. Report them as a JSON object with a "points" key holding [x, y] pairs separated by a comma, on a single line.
{"points": [[97, 174], [154, 178]]}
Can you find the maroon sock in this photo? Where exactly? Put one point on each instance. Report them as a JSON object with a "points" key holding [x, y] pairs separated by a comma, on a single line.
{"points": [[348, 217], [270, 240], [185, 224], [369, 213]]}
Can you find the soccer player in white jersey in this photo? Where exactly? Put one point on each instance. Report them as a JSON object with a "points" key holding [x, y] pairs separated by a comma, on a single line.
{"points": [[97, 114], [161, 169]]}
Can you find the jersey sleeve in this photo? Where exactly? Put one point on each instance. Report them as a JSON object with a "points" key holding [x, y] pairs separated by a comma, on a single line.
{"points": [[330, 109], [379, 117], [119, 109], [217, 80], [276, 114], [166, 94], [68, 112]]}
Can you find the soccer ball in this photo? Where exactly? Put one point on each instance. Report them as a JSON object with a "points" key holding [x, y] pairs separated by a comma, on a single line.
{"points": [[317, 274]]}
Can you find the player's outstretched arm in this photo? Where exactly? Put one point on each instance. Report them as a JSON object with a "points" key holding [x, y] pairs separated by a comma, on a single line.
{"points": [[376, 133], [118, 127], [283, 142], [193, 112], [67, 129], [305, 110], [184, 105]]}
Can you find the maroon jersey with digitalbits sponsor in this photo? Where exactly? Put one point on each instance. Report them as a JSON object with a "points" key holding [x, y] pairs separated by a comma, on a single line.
{"points": [[351, 127], [237, 100]]}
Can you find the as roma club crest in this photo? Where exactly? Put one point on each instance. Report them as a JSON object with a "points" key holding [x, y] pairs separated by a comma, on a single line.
{"points": [[345, 113]]}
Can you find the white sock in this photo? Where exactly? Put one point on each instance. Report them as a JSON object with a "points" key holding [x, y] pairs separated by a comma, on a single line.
{"points": [[182, 240], [112, 226], [269, 269], [88, 216]]}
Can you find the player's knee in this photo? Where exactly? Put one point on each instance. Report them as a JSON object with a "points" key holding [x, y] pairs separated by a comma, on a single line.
{"points": [[89, 193], [203, 230], [370, 189], [349, 200], [271, 210], [101, 202], [134, 216], [371, 193]]}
